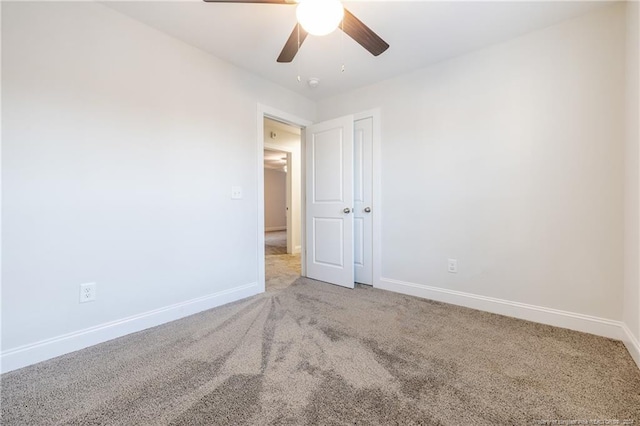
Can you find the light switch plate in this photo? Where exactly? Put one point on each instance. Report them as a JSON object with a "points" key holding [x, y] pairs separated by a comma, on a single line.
{"points": [[236, 193]]}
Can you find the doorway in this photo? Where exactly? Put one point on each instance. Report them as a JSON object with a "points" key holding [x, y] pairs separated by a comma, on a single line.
{"points": [[282, 203], [371, 209], [267, 112]]}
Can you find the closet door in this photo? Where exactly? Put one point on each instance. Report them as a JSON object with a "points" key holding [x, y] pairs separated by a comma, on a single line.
{"points": [[362, 200]]}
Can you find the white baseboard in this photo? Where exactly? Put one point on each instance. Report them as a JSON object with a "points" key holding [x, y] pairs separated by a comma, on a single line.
{"points": [[274, 228], [297, 250], [571, 320], [632, 343], [23, 356]]}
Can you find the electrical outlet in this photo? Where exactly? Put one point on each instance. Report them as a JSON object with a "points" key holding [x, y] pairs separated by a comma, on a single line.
{"points": [[87, 292], [236, 193], [452, 266]]}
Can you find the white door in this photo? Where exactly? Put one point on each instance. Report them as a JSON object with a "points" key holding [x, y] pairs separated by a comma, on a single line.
{"points": [[362, 200], [329, 201]]}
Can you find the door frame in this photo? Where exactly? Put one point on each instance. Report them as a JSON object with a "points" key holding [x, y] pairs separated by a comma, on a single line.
{"points": [[265, 111]]}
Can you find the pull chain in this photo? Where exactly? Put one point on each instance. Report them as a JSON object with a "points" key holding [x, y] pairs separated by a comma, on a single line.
{"points": [[342, 45], [297, 53]]}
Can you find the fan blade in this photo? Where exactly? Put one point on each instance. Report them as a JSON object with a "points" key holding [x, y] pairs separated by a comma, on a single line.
{"points": [[364, 35], [252, 1], [292, 45]]}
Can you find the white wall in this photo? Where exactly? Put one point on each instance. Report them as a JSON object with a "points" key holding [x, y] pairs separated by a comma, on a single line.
{"points": [[632, 183], [275, 199], [290, 142], [509, 159], [120, 147]]}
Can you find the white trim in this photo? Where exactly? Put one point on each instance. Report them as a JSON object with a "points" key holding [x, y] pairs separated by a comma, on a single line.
{"points": [[632, 344], [269, 112], [260, 192], [571, 320], [303, 201], [49, 348], [281, 116], [275, 228], [297, 249], [1, 186]]}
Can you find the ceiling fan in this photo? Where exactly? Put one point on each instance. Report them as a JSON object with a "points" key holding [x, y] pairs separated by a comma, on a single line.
{"points": [[320, 17]]}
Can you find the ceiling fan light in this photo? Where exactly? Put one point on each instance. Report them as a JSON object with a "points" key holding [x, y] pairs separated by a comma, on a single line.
{"points": [[319, 17]]}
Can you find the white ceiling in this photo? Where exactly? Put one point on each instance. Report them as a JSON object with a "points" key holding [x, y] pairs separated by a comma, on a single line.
{"points": [[251, 36]]}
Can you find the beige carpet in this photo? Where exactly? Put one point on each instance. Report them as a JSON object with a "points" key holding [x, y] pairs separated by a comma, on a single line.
{"points": [[275, 242], [311, 353]]}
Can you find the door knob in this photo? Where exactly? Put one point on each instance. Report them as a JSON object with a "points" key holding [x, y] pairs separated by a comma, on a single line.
{"points": [[367, 209], [347, 210]]}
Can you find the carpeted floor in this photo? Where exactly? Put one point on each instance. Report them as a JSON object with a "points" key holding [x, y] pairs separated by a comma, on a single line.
{"points": [[275, 242], [306, 352]]}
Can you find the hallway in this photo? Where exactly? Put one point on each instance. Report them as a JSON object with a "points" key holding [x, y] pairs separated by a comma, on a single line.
{"points": [[281, 269]]}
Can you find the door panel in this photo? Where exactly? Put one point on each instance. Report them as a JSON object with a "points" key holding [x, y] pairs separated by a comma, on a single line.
{"points": [[328, 235], [329, 171], [363, 197]]}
